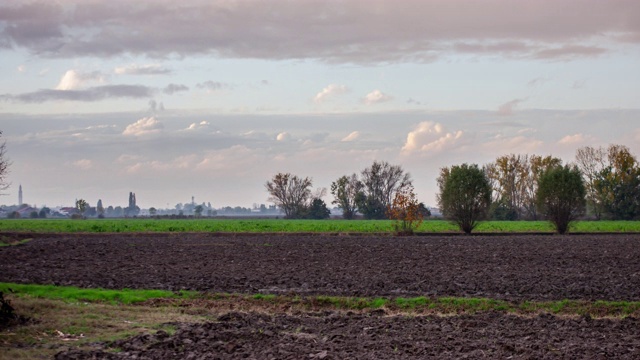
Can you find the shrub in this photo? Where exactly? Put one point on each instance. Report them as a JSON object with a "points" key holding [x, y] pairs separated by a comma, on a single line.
{"points": [[406, 212]]}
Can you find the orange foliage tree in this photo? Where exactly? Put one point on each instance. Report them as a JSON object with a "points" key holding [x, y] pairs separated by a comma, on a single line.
{"points": [[405, 211]]}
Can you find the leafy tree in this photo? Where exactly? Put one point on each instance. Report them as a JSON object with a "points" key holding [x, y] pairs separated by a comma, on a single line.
{"points": [[152, 211], [318, 210], [290, 193], [561, 196], [100, 208], [465, 195], [44, 212], [380, 182], [132, 209], [618, 184], [345, 190], [81, 206], [4, 165], [406, 211], [198, 210], [33, 214]]}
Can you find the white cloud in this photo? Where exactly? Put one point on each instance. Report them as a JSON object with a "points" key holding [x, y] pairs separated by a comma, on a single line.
{"points": [[576, 139], [196, 126], [430, 137], [328, 92], [72, 79], [354, 135], [144, 126], [134, 69], [21, 68], [376, 97], [283, 136]]}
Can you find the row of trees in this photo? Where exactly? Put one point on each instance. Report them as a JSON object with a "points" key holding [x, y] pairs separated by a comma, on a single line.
{"points": [[611, 177], [370, 193], [604, 183]]}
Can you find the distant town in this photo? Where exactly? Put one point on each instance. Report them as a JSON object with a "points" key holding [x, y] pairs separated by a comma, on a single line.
{"points": [[23, 210]]}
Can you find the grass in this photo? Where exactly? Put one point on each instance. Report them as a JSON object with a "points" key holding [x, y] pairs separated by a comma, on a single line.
{"points": [[70, 317], [284, 226], [75, 294]]}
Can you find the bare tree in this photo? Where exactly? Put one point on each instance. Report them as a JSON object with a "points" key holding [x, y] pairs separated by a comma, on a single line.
{"points": [[4, 165], [536, 166], [380, 183], [290, 192], [345, 190], [591, 162]]}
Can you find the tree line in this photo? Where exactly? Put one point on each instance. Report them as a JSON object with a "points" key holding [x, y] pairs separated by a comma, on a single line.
{"points": [[602, 183]]}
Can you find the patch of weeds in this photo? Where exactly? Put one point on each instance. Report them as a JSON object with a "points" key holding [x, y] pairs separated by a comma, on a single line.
{"points": [[268, 297]]}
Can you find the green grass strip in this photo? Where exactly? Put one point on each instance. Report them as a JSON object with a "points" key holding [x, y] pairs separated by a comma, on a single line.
{"points": [[284, 226], [75, 294], [444, 305]]}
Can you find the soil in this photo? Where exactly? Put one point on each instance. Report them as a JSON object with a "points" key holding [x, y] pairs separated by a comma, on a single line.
{"points": [[514, 268]]}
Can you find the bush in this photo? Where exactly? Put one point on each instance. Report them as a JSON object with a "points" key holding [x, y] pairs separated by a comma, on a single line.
{"points": [[561, 196], [406, 212]]}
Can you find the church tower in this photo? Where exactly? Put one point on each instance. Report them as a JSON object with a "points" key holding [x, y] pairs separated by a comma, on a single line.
{"points": [[20, 195]]}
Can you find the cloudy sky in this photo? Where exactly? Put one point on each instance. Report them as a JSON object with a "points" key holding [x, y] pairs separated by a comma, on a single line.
{"points": [[173, 99]]}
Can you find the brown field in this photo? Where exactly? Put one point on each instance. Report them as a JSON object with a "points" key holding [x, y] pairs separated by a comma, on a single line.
{"points": [[513, 268]]}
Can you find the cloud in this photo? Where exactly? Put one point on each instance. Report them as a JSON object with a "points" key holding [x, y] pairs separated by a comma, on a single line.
{"points": [[144, 126], [330, 91], [211, 86], [430, 137], [88, 95], [197, 126], [354, 135], [84, 164], [539, 81], [283, 136], [72, 80], [508, 108], [149, 69], [174, 88], [376, 97], [576, 139], [501, 145], [21, 68], [417, 31]]}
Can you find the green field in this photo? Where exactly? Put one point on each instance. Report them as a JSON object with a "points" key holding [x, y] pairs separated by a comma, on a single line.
{"points": [[283, 226]]}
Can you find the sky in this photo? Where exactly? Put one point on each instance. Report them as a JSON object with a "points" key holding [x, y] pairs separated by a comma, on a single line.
{"points": [[210, 99]]}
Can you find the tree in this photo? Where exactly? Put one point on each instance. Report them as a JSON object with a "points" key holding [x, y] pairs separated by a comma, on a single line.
{"points": [[4, 165], [100, 209], [591, 162], [618, 184], [345, 190], [81, 206], [380, 182], [152, 211], [406, 212], [198, 210], [537, 165], [561, 196], [290, 193], [318, 210], [465, 195], [132, 209], [44, 212]]}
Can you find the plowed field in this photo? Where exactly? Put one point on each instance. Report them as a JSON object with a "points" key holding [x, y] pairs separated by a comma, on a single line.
{"points": [[515, 268]]}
